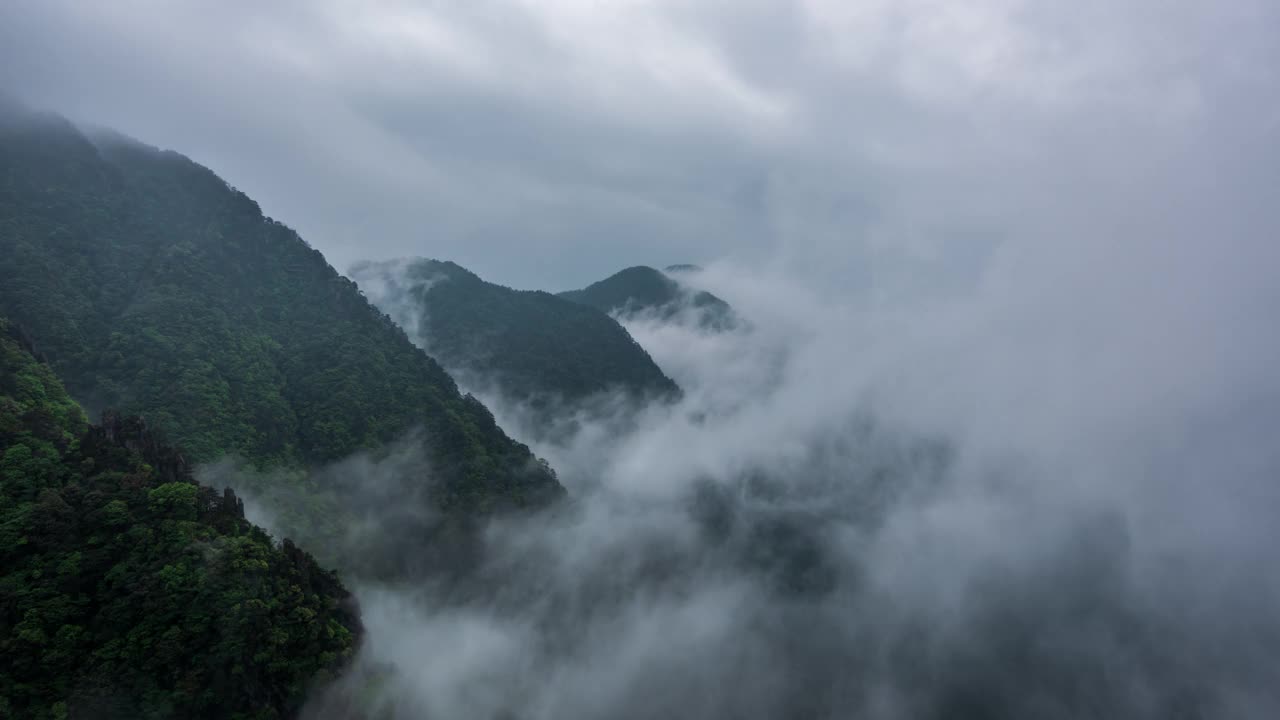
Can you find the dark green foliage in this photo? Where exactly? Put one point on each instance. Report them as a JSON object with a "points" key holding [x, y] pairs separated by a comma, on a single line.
{"points": [[129, 591], [154, 287], [642, 289], [533, 345]]}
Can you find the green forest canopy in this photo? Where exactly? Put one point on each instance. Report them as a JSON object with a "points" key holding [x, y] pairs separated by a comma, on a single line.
{"points": [[155, 288], [129, 591]]}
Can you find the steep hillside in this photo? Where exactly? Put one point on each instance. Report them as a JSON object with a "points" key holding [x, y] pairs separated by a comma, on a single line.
{"points": [[644, 290], [129, 591], [533, 345], [157, 289]]}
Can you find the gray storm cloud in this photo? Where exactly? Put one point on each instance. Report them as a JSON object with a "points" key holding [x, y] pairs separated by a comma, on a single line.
{"points": [[1001, 439], [857, 140]]}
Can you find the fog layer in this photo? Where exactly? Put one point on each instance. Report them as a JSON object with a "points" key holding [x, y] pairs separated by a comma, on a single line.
{"points": [[1049, 496]]}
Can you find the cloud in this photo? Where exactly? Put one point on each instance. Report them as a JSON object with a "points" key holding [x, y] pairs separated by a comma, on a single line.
{"points": [[502, 134], [1001, 440], [1024, 500]]}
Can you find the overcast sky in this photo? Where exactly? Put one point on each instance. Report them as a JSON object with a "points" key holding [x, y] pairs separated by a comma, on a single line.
{"points": [[547, 143]]}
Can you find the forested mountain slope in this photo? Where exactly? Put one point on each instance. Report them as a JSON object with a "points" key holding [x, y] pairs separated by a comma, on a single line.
{"points": [[532, 345], [644, 290], [157, 289], [129, 591]]}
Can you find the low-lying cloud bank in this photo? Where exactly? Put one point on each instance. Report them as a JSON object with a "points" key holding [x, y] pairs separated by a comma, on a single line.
{"points": [[1051, 495], [998, 443]]}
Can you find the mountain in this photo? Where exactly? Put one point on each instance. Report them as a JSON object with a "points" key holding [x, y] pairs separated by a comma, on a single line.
{"points": [[643, 290], [156, 288], [127, 590], [532, 345]]}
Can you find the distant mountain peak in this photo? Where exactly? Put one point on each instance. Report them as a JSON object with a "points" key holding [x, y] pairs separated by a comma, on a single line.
{"points": [[530, 344], [644, 291]]}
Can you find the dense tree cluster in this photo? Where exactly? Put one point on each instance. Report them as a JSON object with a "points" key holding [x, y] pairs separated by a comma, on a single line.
{"points": [[129, 591], [533, 345], [155, 288]]}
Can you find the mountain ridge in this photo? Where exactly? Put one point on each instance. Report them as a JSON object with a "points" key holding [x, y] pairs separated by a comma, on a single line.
{"points": [[154, 287], [532, 345], [641, 291]]}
